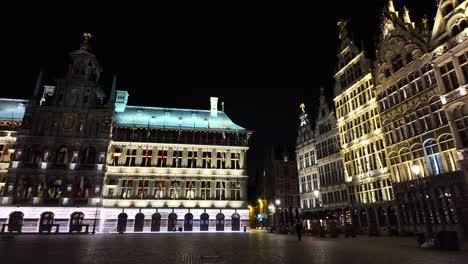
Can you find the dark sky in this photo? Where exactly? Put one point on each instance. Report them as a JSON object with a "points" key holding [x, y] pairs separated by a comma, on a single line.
{"points": [[261, 57]]}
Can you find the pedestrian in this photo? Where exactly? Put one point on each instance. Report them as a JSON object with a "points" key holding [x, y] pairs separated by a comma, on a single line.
{"points": [[299, 230]]}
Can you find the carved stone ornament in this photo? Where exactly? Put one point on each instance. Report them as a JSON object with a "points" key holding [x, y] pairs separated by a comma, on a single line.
{"points": [[68, 121]]}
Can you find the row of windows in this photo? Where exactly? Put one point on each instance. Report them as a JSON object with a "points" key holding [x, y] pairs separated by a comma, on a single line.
{"points": [[328, 147], [365, 159], [372, 192], [306, 160], [357, 97], [309, 183], [310, 203], [351, 74], [145, 158], [331, 173], [362, 125], [407, 87], [335, 197], [448, 73], [426, 118], [154, 189], [433, 158]]}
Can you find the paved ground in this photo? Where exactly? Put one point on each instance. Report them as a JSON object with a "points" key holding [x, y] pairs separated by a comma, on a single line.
{"points": [[207, 248]]}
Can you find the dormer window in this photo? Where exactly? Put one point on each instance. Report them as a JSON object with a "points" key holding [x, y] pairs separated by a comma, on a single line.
{"points": [[447, 9]]}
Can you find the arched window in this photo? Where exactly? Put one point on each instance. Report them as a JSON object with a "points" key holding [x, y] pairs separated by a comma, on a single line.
{"points": [[447, 149], [460, 117], [139, 222], [436, 108], [220, 222], [204, 222], [172, 222], [188, 222], [406, 161], [122, 222], [15, 222], [395, 166], [235, 222], [156, 222], [432, 154]]}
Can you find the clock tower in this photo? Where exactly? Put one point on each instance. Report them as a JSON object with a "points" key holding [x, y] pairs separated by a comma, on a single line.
{"points": [[62, 143]]}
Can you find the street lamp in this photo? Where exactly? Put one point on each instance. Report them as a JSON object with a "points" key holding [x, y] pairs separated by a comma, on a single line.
{"points": [[95, 215], [278, 201], [416, 169]]}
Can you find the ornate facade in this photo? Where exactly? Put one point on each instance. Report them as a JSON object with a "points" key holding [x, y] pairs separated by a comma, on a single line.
{"points": [[362, 140], [85, 158], [420, 146]]}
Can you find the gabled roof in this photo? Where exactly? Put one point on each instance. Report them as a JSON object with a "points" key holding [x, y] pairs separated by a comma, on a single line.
{"points": [[174, 117], [12, 108]]}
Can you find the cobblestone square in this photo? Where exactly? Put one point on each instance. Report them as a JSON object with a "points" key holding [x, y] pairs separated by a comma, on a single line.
{"points": [[219, 248]]}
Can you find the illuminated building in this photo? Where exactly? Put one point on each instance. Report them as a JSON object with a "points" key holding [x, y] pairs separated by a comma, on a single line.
{"points": [[362, 142], [427, 182], [83, 157]]}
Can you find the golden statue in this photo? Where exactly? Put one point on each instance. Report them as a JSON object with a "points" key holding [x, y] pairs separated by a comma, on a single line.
{"points": [[425, 22], [87, 35], [302, 106]]}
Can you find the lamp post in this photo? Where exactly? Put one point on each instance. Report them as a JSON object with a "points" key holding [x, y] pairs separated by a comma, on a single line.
{"points": [[95, 215], [277, 203], [416, 169]]}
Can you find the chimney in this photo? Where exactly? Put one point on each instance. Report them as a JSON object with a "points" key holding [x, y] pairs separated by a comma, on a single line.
{"points": [[214, 106]]}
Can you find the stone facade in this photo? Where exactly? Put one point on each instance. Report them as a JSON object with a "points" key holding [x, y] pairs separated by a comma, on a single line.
{"points": [[77, 157]]}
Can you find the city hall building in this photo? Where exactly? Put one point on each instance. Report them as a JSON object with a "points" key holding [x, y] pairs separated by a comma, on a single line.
{"points": [[73, 159]]}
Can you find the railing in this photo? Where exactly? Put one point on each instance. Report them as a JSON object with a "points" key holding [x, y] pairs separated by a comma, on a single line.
{"points": [[181, 140]]}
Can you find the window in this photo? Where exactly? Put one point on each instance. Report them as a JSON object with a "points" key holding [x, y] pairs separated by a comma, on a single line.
{"points": [[130, 158], [449, 77], [192, 159], [189, 189], [433, 157], [463, 60], [206, 163], [220, 160], [142, 189], [159, 189], [205, 190], [447, 149], [303, 185], [235, 161], [235, 191], [162, 157], [126, 190], [309, 183], [397, 62], [460, 116], [174, 191], [177, 159], [220, 190], [146, 158]]}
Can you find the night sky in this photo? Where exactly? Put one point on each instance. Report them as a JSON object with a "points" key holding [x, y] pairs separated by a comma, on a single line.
{"points": [[262, 58]]}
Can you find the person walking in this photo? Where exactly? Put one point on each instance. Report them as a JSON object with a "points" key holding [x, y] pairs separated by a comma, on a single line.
{"points": [[299, 230]]}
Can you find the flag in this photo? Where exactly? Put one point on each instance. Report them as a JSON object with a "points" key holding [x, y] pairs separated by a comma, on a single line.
{"points": [[20, 187], [207, 158], [43, 187], [178, 136], [222, 156], [237, 135], [190, 184], [160, 184], [5, 150], [147, 153], [81, 188], [223, 134], [148, 132], [162, 156]]}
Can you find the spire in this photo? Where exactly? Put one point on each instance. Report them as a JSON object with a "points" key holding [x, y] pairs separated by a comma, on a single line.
{"points": [[391, 7], [343, 27], [406, 16], [113, 90], [222, 106], [37, 87]]}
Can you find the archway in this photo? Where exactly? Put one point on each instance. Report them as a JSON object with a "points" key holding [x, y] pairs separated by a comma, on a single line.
{"points": [[204, 222], [15, 222], [156, 222], [220, 222], [46, 221], [171, 224], [235, 222], [122, 223], [188, 222], [76, 222], [139, 222]]}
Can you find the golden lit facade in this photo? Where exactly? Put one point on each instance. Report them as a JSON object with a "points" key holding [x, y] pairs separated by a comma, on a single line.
{"points": [[362, 139], [420, 146]]}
